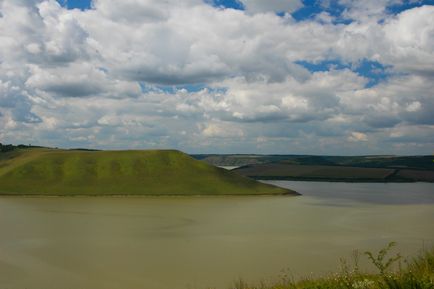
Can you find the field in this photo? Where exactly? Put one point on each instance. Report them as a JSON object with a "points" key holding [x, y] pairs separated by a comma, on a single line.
{"points": [[283, 171], [416, 175], [329, 168], [42, 171], [385, 161]]}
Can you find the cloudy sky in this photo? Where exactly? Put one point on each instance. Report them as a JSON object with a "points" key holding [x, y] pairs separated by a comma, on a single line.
{"points": [[223, 76]]}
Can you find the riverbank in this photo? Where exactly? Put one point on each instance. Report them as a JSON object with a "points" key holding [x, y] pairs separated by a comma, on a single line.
{"points": [[336, 180]]}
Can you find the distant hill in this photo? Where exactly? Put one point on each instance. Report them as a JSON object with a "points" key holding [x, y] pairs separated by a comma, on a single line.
{"points": [[329, 168], [375, 161], [239, 159], [43, 171]]}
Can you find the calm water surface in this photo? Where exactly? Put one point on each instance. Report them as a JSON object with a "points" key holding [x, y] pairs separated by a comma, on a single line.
{"points": [[200, 242]]}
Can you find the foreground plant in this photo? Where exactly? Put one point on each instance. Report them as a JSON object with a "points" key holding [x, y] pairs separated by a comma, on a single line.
{"points": [[379, 260], [418, 273]]}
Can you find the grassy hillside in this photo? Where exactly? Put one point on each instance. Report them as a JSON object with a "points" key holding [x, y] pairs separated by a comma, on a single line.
{"points": [[76, 172]]}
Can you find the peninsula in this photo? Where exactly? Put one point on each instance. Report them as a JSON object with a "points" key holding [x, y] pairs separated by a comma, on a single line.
{"points": [[58, 172]]}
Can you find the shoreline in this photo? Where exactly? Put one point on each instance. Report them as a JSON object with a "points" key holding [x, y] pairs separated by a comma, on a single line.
{"points": [[279, 178], [148, 196]]}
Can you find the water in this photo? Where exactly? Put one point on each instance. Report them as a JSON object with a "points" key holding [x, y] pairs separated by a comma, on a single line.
{"points": [[201, 242], [229, 168]]}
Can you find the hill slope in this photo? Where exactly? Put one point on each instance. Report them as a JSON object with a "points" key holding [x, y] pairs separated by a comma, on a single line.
{"points": [[41, 171]]}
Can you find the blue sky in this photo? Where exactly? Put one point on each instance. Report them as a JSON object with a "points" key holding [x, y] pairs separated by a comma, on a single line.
{"points": [[289, 77], [76, 4]]}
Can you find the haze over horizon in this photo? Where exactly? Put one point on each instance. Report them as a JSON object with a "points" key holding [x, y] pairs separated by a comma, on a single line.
{"points": [[338, 77]]}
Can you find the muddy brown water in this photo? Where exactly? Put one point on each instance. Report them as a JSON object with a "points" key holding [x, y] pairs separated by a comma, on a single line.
{"points": [[201, 242]]}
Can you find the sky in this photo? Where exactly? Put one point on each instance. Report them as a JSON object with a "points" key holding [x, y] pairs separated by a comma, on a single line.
{"points": [[332, 77]]}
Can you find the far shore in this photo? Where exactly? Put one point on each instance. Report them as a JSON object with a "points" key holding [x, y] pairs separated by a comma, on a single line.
{"points": [[332, 180], [148, 196]]}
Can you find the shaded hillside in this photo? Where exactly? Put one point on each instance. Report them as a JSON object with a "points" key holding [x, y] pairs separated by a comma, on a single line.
{"points": [[156, 172]]}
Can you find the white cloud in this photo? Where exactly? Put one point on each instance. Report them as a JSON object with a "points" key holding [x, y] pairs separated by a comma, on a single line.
{"points": [[414, 106], [93, 77], [78, 79], [221, 130], [358, 136], [366, 10], [410, 38], [257, 6]]}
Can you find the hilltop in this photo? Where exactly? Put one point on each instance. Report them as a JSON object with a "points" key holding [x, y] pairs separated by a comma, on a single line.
{"points": [[44, 171]]}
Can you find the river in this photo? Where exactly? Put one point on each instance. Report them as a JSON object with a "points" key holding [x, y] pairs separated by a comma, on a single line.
{"points": [[201, 242]]}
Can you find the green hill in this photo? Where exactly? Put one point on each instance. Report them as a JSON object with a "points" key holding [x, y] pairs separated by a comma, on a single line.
{"points": [[42, 171]]}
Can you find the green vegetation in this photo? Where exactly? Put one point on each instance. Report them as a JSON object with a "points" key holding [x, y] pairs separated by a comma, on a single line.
{"points": [[416, 273], [43, 171], [10, 147]]}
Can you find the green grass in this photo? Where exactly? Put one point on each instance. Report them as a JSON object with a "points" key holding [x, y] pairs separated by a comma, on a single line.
{"points": [[41, 171], [416, 273]]}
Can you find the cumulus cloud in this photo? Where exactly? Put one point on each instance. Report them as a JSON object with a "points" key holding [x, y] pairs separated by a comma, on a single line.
{"points": [[256, 6], [141, 73], [358, 136], [366, 10], [411, 41], [221, 130]]}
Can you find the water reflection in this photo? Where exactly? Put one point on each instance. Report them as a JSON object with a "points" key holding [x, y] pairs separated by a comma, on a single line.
{"points": [[343, 194]]}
